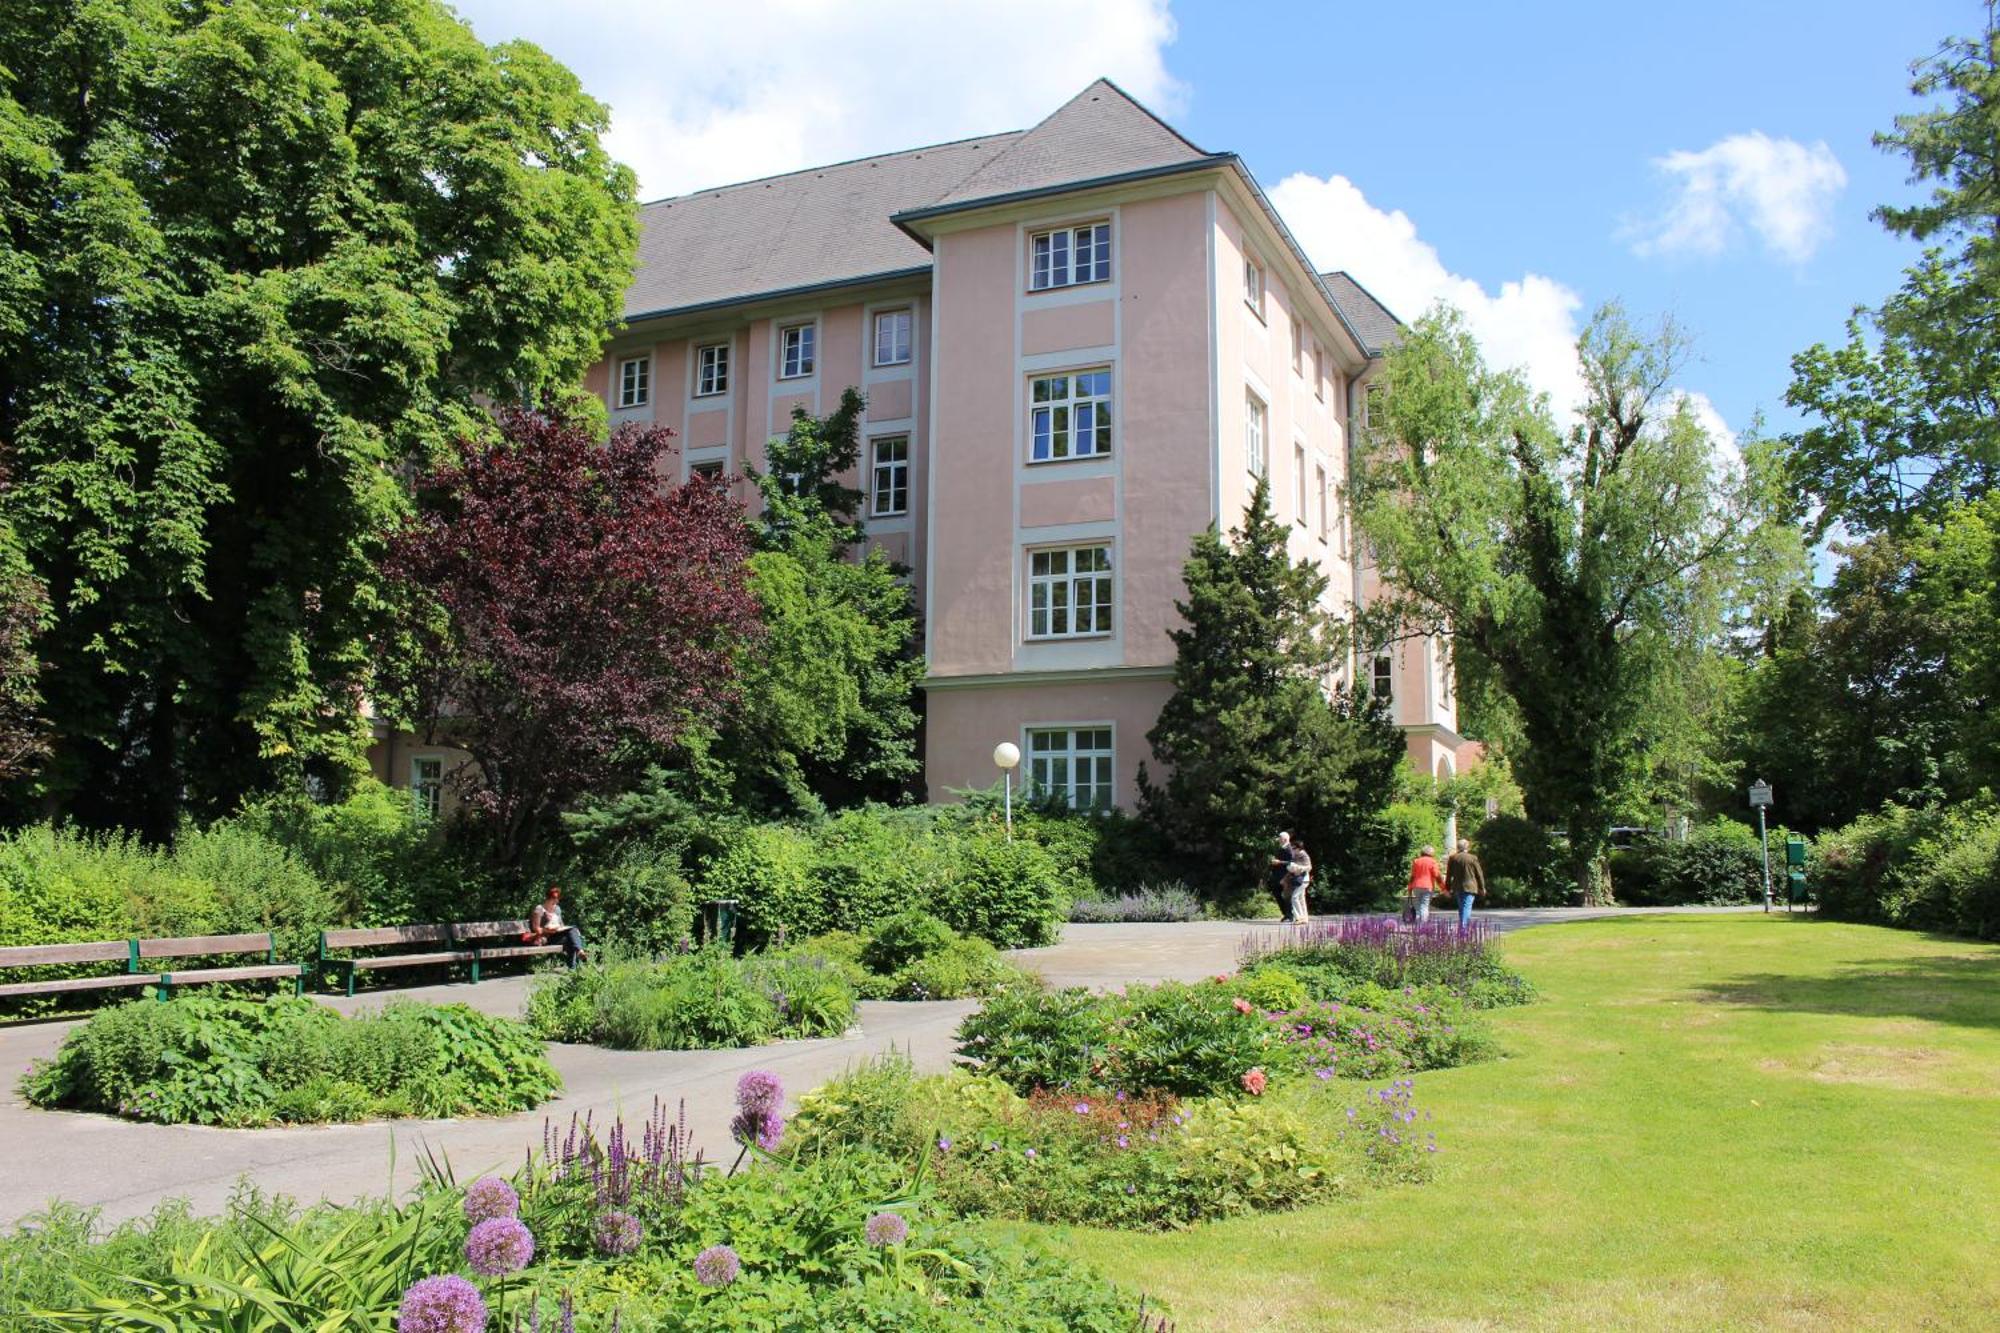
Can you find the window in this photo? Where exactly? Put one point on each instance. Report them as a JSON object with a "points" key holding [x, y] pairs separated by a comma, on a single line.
{"points": [[426, 786], [635, 381], [1253, 434], [1299, 484], [1073, 763], [1385, 675], [1443, 655], [891, 491], [796, 354], [1253, 286], [711, 375], [1298, 348], [706, 471], [892, 338], [1319, 373], [1069, 592], [1070, 255], [1340, 522], [1070, 416], [1319, 490]]}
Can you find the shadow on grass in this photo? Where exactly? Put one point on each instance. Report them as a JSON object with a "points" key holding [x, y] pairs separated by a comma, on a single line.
{"points": [[1961, 991]]}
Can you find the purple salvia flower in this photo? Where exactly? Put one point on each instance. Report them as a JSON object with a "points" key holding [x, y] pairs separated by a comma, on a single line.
{"points": [[618, 1234]]}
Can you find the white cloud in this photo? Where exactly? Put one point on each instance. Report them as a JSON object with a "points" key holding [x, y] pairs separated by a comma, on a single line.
{"points": [[1780, 189], [702, 94], [1530, 323], [1728, 448]]}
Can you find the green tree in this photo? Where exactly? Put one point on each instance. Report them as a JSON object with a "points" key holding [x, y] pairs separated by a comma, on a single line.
{"points": [[1585, 566], [827, 714], [22, 606], [1255, 738], [255, 259], [1906, 421]]}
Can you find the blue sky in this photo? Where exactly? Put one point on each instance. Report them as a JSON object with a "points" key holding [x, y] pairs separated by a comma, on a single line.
{"points": [[1525, 161]]}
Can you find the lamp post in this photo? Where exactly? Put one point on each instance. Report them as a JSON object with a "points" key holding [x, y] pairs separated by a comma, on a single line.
{"points": [[1760, 800], [1007, 754]]}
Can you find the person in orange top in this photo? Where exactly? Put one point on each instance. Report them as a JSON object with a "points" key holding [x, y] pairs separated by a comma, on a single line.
{"points": [[1426, 878]]}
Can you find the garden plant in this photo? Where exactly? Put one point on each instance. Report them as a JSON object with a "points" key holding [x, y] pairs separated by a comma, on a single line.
{"points": [[692, 1001]]}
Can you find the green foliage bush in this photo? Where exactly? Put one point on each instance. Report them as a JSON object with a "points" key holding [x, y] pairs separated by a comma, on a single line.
{"points": [[913, 956], [1719, 863], [1525, 865], [1007, 892], [1921, 869], [696, 1001], [903, 938], [212, 1059]]}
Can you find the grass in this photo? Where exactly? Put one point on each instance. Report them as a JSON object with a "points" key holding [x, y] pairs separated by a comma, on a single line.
{"points": [[1734, 1122]]}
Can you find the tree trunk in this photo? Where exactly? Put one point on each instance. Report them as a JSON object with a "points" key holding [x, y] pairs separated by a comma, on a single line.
{"points": [[1588, 867]]}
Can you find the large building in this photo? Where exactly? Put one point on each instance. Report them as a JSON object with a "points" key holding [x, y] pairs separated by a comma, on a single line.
{"points": [[1080, 344]]}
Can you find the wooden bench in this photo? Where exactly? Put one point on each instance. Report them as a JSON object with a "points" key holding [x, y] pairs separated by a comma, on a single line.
{"points": [[452, 943], [133, 953]]}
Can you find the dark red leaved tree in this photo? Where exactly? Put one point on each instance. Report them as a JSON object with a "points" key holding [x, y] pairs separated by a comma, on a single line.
{"points": [[566, 613]]}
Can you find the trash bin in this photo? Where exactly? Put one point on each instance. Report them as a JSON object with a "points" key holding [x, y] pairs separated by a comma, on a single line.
{"points": [[718, 921]]}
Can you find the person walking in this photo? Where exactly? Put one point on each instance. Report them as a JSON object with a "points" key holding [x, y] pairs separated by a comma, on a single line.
{"points": [[1426, 878], [545, 924], [1301, 878], [1279, 868], [1464, 879]]}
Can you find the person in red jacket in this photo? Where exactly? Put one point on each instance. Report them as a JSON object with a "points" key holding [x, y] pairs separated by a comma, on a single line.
{"points": [[1426, 878]]}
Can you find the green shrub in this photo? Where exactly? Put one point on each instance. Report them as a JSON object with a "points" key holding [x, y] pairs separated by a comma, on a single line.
{"points": [[966, 966], [903, 939], [1271, 988], [696, 1001], [811, 994], [382, 864], [259, 885], [215, 1060], [640, 902], [768, 870], [1029, 1037], [1719, 863], [1007, 892], [1525, 865]]}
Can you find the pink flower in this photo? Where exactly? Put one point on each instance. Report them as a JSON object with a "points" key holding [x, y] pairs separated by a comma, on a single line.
{"points": [[1243, 1006], [1254, 1082]]}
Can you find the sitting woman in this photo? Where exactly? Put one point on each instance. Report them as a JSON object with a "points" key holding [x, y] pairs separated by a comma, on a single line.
{"points": [[545, 925]]}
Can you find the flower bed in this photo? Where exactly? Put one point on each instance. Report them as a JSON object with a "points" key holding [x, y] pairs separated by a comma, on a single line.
{"points": [[1332, 957], [694, 1001], [914, 956], [215, 1060], [1149, 902]]}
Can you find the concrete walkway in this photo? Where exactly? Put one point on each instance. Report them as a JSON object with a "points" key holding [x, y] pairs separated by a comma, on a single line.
{"points": [[125, 1168]]}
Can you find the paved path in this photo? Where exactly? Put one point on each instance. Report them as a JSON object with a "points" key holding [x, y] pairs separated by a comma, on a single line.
{"points": [[126, 1168]]}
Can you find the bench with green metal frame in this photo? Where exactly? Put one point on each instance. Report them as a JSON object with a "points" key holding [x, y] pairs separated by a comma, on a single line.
{"points": [[451, 943], [135, 953]]}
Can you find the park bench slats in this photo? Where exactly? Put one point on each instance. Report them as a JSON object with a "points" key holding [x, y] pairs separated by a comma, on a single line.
{"points": [[520, 951], [195, 946], [69, 984], [467, 936], [92, 951], [408, 960], [369, 937], [259, 972], [129, 952], [471, 930]]}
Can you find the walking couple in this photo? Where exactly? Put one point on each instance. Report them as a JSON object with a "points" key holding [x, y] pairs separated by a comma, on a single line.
{"points": [[1291, 876], [1461, 877]]}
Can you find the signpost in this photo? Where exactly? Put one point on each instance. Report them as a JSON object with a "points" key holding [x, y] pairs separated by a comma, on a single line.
{"points": [[1760, 801]]}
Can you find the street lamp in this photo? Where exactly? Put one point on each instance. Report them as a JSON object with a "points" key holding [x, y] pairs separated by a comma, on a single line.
{"points": [[1007, 755]]}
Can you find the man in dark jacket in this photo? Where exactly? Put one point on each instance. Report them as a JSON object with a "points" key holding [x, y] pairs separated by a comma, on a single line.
{"points": [[1279, 871], [1464, 879]]}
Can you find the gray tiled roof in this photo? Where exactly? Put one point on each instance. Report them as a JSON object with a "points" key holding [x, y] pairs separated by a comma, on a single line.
{"points": [[808, 228], [1099, 132], [1371, 321]]}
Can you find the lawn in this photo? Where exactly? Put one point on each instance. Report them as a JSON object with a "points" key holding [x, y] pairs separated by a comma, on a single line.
{"points": [[1740, 1122]]}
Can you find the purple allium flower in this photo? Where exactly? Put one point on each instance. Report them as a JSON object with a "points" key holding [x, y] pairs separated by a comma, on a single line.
{"points": [[490, 1197], [717, 1266], [499, 1246], [763, 1126], [1083, 1108], [618, 1233], [944, 1145], [1031, 1154], [886, 1229], [446, 1304], [759, 1090]]}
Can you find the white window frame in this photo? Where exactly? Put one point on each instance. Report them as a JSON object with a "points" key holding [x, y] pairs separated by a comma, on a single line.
{"points": [[1055, 424], [1075, 255], [713, 469], [1256, 421], [1319, 481], [889, 477], [1047, 747], [1299, 482], [1442, 655], [1382, 676], [908, 325], [1319, 372], [427, 785], [711, 370], [798, 350], [635, 380], [1253, 286], [1298, 349], [1065, 579]]}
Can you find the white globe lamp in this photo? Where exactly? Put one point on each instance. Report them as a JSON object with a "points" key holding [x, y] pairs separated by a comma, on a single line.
{"points": [[1007, 756]]}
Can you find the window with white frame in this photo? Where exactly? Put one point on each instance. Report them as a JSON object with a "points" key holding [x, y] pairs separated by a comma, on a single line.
{"points": [[709, 471], [1069, 416], [1298, 348], [1069, 592], [890, 488], [1319, 373], [426, 786], [1069, 256], [1442, 652], [1319, 493], [892, 337], [1383, 683], [1073, 763], [795, 355], [635, 381], [1253, 286], [711, 372], [1253, 433], [1340, 521], [1299, 484]]}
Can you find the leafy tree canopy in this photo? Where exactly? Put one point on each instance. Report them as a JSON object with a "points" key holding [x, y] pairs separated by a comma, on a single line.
{"points": [[254, 258]]}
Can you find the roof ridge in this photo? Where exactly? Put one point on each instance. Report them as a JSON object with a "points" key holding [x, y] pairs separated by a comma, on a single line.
{"points": [[831, 166], [1363, 289], [1156, 118]]}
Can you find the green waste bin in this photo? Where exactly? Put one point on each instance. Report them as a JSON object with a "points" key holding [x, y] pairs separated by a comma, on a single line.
{"points": [[718, 921], [1795, 851]]}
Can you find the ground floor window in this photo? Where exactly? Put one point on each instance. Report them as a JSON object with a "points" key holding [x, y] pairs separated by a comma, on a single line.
{"points": [[1073, 763], [426, 786]]}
